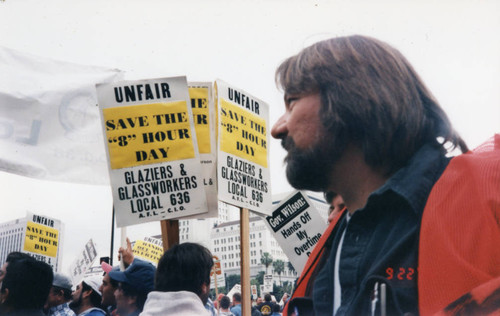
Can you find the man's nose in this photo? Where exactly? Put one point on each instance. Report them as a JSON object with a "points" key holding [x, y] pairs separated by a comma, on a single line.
{"points": [[280, 129]]}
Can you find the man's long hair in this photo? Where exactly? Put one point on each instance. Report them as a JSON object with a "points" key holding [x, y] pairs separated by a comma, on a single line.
{"points": [[371, 96]]}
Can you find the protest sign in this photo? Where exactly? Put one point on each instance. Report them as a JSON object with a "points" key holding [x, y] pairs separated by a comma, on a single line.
{"points": [[253, 290], [83, 262], [268, 283], [154, 163], [217, 272], [236, 289], [49, 124], [297, 227], [243, 159], [203, 107], [149, 249], [42, 239]]}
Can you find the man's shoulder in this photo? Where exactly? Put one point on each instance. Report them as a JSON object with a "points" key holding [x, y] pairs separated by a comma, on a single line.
{"points": [[94, 312], [61, 310], [236, 309]]}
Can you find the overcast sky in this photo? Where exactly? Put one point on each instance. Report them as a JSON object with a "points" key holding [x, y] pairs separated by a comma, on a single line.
{"points": [[454, 45]]}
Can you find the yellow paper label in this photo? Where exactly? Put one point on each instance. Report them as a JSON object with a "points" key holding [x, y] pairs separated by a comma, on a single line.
{"points": [[201, 114], [41, 239], [147, 251], [148, 134], [243, 134]]}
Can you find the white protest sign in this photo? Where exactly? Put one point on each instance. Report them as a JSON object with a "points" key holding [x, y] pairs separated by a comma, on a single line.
{"points": [[203, 107], [154, 163], [42, 239], [236, 289], [268, 283], [83, 262], [217, 272], [243, 160], [297, 226]]}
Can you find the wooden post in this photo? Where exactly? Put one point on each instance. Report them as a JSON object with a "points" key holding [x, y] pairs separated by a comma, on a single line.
{"points": [[246, 303], [169, 233]]}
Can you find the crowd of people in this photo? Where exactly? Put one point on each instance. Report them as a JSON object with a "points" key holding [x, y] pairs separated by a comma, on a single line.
{"points": [[179, 285], [413, 229]]}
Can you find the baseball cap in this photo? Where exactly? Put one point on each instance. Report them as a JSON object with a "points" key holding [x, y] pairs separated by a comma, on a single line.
{"points": [[62, 281], [139, 274], [94, 282], [106, 267]]}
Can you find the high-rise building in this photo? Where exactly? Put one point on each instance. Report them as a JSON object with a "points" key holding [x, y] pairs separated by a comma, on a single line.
{"points": [[11, 237]]}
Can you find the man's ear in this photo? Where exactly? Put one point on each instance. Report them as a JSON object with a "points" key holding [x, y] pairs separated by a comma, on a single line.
{"points": [[4, 295], [132, 300], [205, 288], [87, 293]]}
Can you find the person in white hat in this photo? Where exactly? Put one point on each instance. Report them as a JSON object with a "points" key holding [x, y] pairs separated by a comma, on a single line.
{"points": [[87, 297]]}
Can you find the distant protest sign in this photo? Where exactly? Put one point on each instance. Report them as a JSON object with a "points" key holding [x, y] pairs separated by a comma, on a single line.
{"points": [[42, 239], [149, 249], [268, 283], [153, 156], [236, 289], [253, 290], [243, 160], [297, 226], [217, 274], [203, 107], [83, 262]]}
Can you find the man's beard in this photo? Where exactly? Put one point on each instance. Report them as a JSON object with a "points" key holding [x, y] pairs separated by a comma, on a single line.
{"points": [[75, 305], [310, 169]]}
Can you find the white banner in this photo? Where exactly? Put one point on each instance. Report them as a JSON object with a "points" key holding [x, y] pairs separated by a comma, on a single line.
{"points": [[49, 121], [297, 226], [154, 163], [243, 159]]}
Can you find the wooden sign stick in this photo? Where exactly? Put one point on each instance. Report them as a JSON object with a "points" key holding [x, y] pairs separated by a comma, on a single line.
{"points": [[246, 304], [169, 233]]}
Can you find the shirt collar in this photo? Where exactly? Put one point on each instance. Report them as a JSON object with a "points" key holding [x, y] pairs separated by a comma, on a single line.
{"points": [[414, 181]]}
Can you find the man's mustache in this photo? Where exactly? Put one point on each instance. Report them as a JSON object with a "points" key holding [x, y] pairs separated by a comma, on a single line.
{"points": [[287, 143]]}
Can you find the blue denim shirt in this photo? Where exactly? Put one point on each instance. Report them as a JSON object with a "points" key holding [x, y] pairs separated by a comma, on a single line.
{"points": [[381, 243]]}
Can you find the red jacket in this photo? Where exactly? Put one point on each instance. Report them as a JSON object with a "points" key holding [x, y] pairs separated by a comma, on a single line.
{"points": [[459, 246]]}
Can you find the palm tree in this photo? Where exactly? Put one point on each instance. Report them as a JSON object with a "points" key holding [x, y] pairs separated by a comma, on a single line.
{"points": [[291, 268], [266, 259], [279, 267]]}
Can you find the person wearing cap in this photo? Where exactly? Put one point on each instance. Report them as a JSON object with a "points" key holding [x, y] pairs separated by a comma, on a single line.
{"points": [[59, 297], [134, 285], [87, 297], [108, 288]]}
